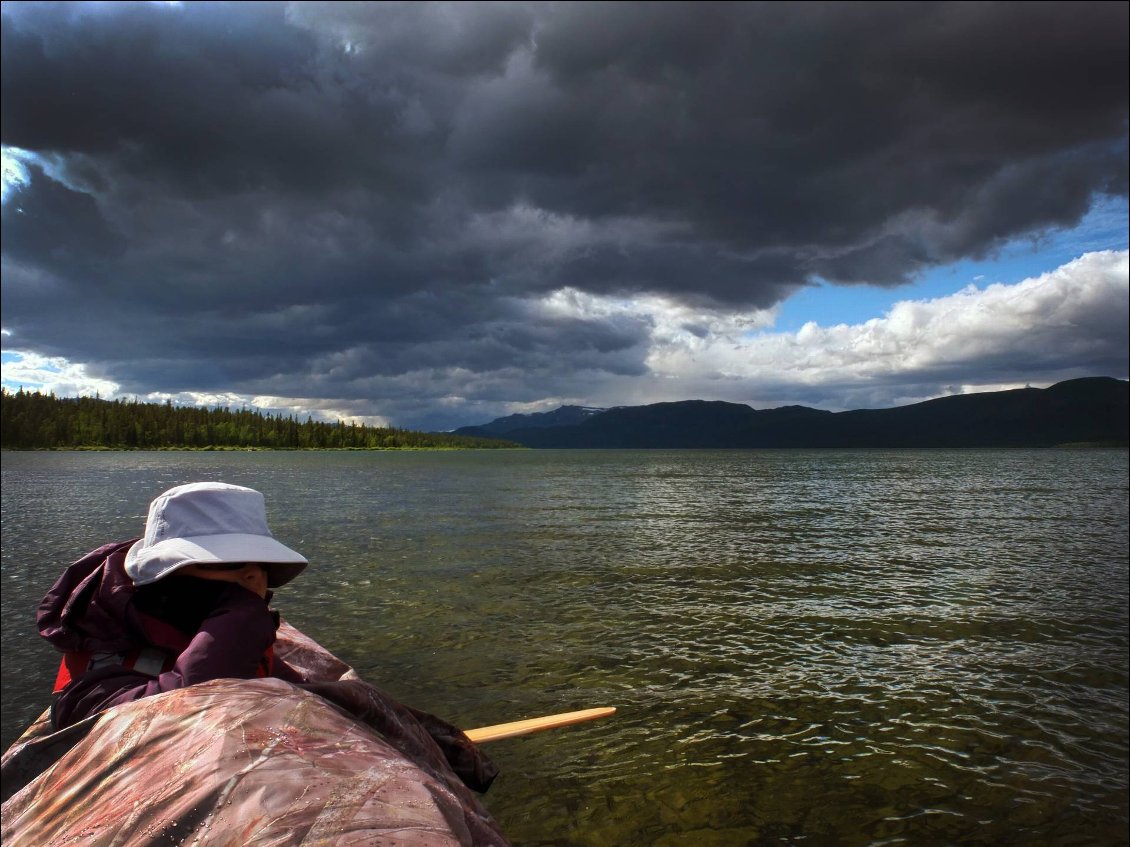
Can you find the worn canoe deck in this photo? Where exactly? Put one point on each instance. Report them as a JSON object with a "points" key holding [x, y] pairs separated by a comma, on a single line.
{"points": [[241, 762]]}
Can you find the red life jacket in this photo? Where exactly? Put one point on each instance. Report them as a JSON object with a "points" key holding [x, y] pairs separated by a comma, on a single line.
{"points": [[166, 644]]}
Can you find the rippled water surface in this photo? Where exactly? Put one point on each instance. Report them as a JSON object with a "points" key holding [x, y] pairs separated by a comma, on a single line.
{"points": [[805, 647]]}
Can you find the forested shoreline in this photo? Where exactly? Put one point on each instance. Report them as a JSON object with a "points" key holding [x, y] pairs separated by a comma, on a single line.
{"points": [[30, 420]]}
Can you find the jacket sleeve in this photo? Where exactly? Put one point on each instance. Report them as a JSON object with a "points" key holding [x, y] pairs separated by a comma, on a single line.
{"points": [[229, 644]]}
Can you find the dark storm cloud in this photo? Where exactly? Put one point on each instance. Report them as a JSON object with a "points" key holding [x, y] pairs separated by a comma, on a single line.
{"points": [[297, 198]]}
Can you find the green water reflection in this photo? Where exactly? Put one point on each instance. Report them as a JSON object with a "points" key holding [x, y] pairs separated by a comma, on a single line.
{"points": [[821, 647]]}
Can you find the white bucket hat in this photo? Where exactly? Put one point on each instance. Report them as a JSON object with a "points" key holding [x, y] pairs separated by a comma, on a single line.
{"points": [[209, 523]]}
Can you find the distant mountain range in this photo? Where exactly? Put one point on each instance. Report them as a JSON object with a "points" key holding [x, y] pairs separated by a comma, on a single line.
{"points": [[560, 417], [1090, 411]]}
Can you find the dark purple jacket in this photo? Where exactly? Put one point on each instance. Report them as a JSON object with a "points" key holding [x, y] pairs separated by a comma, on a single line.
{"points": [[90, 609]]}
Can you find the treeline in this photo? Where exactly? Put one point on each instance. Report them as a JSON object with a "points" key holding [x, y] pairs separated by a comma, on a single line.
{"points": [[34, 421]]}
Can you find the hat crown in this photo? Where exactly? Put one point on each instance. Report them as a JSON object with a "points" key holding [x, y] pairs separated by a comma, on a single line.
{"points": [[209, 523], [206, 508]]}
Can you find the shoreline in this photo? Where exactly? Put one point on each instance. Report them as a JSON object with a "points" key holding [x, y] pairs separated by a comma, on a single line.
{"points": [[225, 449]]}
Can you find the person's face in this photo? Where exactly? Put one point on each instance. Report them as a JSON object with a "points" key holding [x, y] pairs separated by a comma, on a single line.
{"points": [[250, 575]]}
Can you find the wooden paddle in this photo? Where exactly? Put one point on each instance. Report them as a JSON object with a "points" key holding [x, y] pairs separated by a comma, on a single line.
{"points": [[509, 730]]}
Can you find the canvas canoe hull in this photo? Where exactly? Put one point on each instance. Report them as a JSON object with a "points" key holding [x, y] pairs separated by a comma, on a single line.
{"points": [[236, 762]]}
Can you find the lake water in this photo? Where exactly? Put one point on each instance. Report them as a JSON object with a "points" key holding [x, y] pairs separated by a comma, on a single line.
{"points": [[805, 647]]}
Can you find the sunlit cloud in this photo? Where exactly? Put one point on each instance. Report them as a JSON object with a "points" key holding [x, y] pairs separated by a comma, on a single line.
{"points": [[58, 376], [1079, 309], [13, 171], [51, 375], [918, 349], [673, 323]]}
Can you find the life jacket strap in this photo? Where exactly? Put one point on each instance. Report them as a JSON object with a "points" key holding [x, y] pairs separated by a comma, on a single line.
{"points": [[103, 660], [151, 661]]}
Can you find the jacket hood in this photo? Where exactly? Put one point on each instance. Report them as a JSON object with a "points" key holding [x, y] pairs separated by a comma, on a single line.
{"points": [[86, 607]]}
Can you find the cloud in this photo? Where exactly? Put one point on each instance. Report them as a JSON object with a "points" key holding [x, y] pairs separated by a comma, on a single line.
{"points": [[374, 206], [53, 375], [1066, 323]]}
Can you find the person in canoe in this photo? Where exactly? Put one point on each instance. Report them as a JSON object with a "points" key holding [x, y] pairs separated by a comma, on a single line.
{"points": [[186, 603], [189, 602]]}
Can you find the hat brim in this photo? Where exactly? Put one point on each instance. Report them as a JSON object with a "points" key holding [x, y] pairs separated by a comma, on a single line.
{"points": [[282, 564]]}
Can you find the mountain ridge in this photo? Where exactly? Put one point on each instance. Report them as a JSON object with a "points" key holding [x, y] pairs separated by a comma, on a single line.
{"points": [[561, 416], [1090, 410]]}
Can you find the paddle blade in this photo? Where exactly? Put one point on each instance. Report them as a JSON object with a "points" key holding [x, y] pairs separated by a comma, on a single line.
{"points": [[509, 730]]}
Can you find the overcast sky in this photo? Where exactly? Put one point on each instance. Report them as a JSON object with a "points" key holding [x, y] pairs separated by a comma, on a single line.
{"points": [[432, 215]]}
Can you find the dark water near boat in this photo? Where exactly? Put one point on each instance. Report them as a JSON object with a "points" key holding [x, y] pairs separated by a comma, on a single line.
{"points": [[825, 647]]}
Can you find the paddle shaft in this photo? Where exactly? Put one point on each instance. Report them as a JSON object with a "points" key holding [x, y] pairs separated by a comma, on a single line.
{"points": [[509, 730]]}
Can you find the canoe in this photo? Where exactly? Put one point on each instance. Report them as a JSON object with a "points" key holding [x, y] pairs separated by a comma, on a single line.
{"points": [[246, 762]]}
